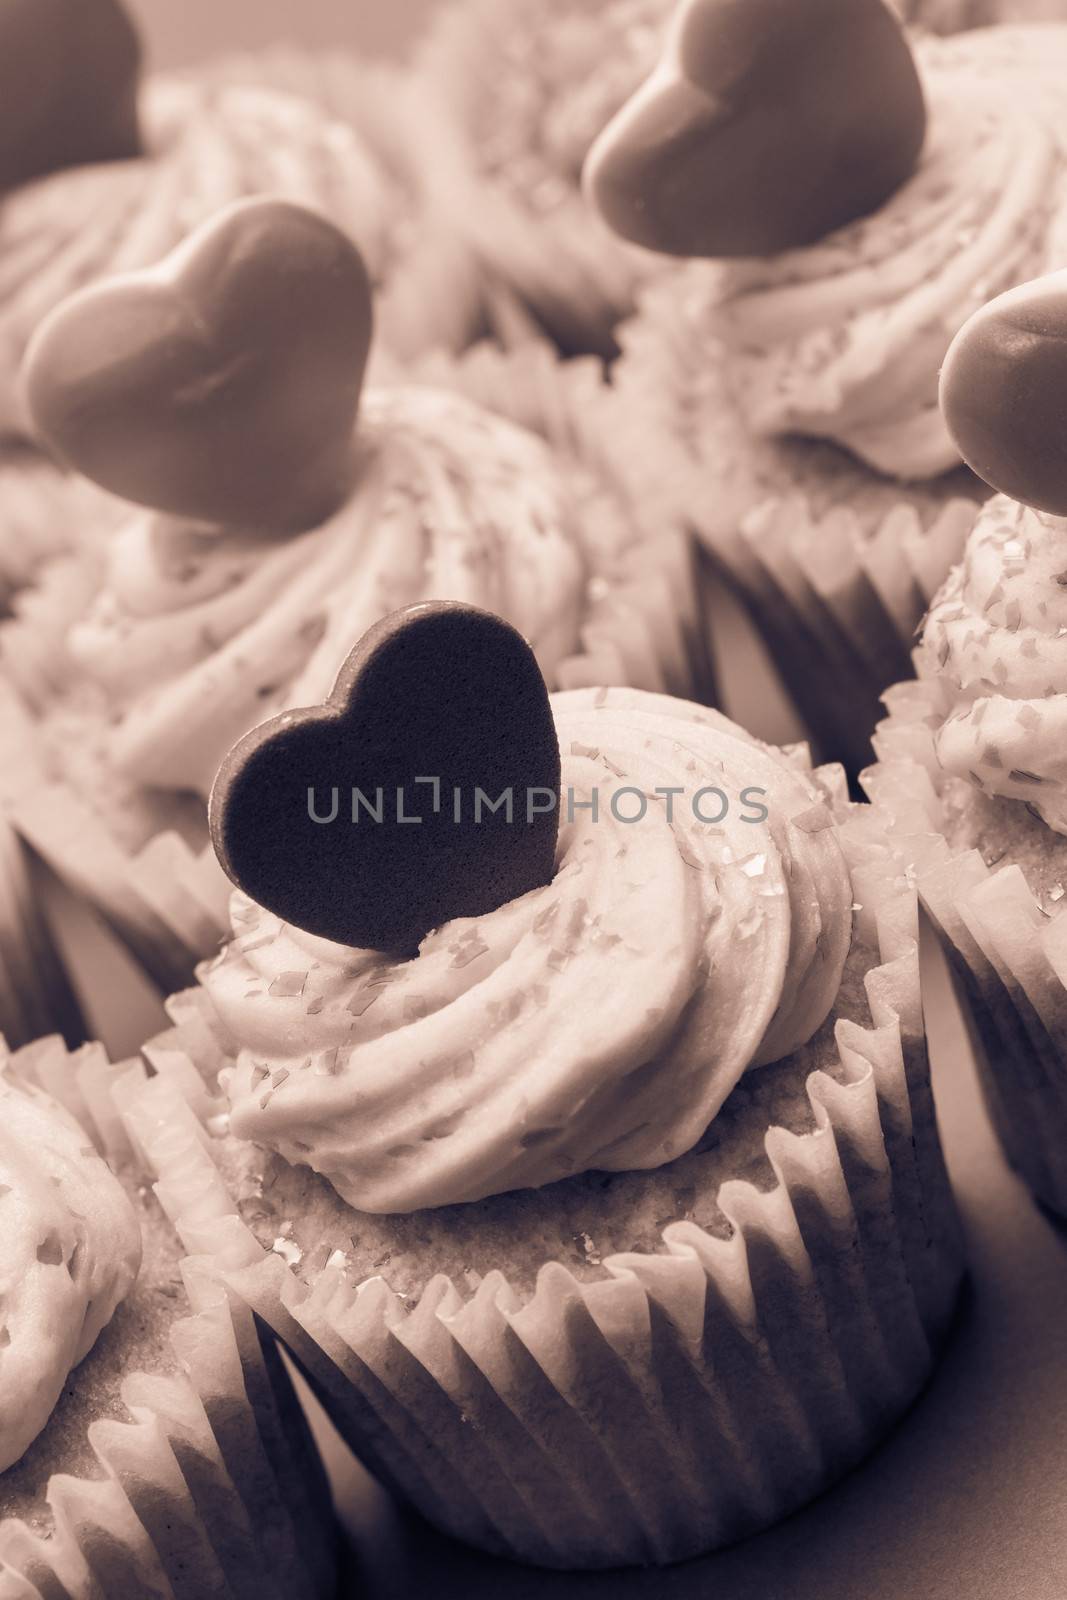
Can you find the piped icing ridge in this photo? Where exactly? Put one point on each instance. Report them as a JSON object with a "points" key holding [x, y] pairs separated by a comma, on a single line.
{"points": [[843, 339], [995, 641], [72, 1249], [597, 1023], [208, 145], [200, 633]]}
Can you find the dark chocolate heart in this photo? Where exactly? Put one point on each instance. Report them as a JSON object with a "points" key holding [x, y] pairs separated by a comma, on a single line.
{"points": [[1004, 393], [69, 74], [436, 691], [766, 125], [221, 385]]}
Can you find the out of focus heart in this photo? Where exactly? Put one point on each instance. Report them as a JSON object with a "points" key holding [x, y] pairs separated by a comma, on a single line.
{"points": [[313, 814], [1004, 393], [68, 86], [766, 125], [222, 385]]}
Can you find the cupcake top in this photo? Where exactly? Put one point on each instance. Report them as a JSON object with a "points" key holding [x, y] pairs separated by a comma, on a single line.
{"points": [[840, 301], [994, 640], [205, 143], [283, 526], [695, 925], [537, 111], [72, 1249]]}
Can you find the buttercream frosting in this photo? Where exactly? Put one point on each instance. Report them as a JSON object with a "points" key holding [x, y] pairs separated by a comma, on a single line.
{"points": [[72, 1250], [597, 1023]]}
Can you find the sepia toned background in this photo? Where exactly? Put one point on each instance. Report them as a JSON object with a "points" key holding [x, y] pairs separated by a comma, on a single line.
{"points": [[184, 30], [967, 1500]]}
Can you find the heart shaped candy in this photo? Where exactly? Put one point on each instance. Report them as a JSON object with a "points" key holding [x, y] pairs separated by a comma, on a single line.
{"points": [[221, 385], [436, 701], [1004, 393], [68, 86], [766, 125]]}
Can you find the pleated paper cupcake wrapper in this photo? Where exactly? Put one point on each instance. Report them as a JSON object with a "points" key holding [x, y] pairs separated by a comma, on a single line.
{"points": [[167, 902], [835, 568], [210, 1486], [681, 1400], [36, 994], [1008, 955], [542, 249], [645, 622]]}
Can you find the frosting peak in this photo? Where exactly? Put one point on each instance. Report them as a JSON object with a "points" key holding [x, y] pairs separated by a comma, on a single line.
{"points": [[844, 339], [996, 639], [72, 1249], [201, 634], [597, 1023]]}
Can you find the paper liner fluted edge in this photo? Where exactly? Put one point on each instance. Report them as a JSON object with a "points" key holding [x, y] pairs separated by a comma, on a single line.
{"points": [[678, 1401], [835, 593], [211, 1485], [1008, 955], [644, 626]]}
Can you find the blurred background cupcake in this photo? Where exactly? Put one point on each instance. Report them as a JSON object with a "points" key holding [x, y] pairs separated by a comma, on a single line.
{"points": [[972, 755], [511, 96], [526, 1192], [186, 145], [800, 366], [279, 529], [150, 1443]]}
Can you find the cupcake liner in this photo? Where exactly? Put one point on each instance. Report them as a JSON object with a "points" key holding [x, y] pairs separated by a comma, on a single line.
{"points": [[645, 625], [142, 859], [209, 1483], [167, 900], [1007, 954], [529, 226], [36, 995], [835, 566], [671, 1402]]}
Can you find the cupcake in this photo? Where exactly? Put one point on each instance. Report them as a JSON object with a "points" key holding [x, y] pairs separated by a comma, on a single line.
{"points": [[971, 754], [279, 529], [602, 1197], [190, 145], [150, 1440], [511, 95], [798, 359], [430, 287]]}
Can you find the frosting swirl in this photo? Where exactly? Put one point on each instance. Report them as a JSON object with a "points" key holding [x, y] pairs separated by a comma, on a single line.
{"points": [[72, 1249], [210, 144], [996, 640], [598, 1023], [541, 109], [200, 633], [845, 339]]}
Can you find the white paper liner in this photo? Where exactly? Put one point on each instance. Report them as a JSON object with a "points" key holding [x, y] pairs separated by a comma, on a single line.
{"points": [[1008, 955], [835, 566], [210, 1485], [645, 624], [678, 1401], [36, 994]]}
